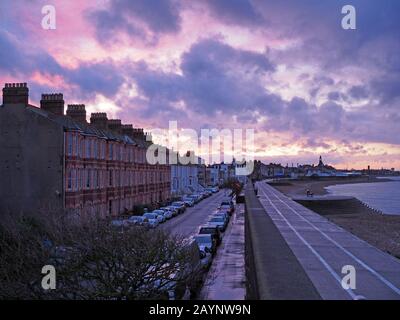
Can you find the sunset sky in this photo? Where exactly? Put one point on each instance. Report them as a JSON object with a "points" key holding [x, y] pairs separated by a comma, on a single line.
{"points": [[285, 68]]}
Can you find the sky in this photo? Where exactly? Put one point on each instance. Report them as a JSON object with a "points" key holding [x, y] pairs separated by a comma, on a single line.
{"points": [[286, 69]]}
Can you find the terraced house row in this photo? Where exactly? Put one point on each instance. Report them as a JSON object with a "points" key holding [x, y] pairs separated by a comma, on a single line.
{"points": [[53, 161]]}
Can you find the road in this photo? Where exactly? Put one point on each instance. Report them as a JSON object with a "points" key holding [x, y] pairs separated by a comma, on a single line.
{"points": [[324, 249], [188, 223]]}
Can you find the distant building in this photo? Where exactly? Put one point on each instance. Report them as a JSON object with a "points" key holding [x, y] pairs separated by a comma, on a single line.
{"points": [[54, 161], [213, 175], [185, 177], [320, 170]]}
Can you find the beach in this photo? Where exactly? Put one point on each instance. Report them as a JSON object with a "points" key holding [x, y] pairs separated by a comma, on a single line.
{"points": [[379, 230], [317, 187]]}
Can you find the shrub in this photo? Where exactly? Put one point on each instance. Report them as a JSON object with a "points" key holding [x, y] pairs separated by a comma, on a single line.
{"points": [[93, 260]]}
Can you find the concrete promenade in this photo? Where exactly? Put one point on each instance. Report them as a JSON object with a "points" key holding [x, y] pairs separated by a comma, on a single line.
{"points": [[324, 249], [226, 278]]}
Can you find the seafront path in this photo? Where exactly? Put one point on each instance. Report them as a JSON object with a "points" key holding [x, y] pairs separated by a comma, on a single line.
{"points": [[327, 252]]}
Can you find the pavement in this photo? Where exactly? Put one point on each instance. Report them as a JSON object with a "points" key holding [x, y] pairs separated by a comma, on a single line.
{"points": [[226, 277], [188, 223], [326, 252]]}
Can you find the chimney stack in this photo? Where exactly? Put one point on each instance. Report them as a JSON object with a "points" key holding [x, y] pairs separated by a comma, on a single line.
{"points": [[15, 93], [77, 112], [127, 130], [115, 125], [53, 103], [138, 134], [99, 120]]}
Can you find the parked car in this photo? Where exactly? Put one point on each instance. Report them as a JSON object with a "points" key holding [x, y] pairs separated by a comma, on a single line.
{"points": [[166, 214], [198, 255], [196, 198], [208, 192], [223, 214], [220, 222], [173, 210], [228, 206], [206, 243], [179, 205], [152, 223], [213, 230], [159, 218], [228, 200], [213, 189], [188, 201], [137, 220], [240, 198], [205, 194]]}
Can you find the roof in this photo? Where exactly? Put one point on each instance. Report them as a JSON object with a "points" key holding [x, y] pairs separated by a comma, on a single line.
{"points": [[86, 129]]}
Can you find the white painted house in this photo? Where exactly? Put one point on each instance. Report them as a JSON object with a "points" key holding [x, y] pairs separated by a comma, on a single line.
{"points": [[184, 177]]}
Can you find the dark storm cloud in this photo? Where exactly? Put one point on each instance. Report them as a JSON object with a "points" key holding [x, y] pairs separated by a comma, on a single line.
{"points": [[239, 12], [358, 92], [16, 58], [334, 95], [130, 17], [102, 77], [215, 77], [20, 60]]}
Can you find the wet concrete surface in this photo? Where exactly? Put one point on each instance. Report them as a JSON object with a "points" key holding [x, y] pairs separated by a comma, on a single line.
{"points": [[226, 277]]}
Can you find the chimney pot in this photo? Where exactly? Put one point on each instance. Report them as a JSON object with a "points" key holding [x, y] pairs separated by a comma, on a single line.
{"points": [[77, 112], [15, 93], [53, 103]]}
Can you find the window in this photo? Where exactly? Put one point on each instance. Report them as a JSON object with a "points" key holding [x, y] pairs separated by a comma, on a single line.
{"points": [[96, 155], [88, 148], [88, 179], [103, 150], [69, 143], [69, 179], [95, 178], [76, 144], [82, 154], [77, 180], [111, 179], [111, 152]]}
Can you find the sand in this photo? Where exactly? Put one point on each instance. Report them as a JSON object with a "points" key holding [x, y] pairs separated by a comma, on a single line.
{"points": [[299, 187], [379, 230]]}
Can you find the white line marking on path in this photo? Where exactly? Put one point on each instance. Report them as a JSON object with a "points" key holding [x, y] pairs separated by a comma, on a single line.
{"points": [[319, 257], [366, 266]]}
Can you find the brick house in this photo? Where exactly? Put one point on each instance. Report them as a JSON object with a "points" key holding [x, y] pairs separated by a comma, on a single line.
{"points": [[54, 161]]}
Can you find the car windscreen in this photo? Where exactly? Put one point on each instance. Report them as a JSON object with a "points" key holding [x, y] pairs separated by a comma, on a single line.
{"points": [[217, 219], [203, 239], [150, 216], [219, 215], [207, 230]]}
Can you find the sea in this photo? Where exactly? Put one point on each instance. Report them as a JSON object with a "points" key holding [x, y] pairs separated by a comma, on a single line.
{"points": [[383, 196]]}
